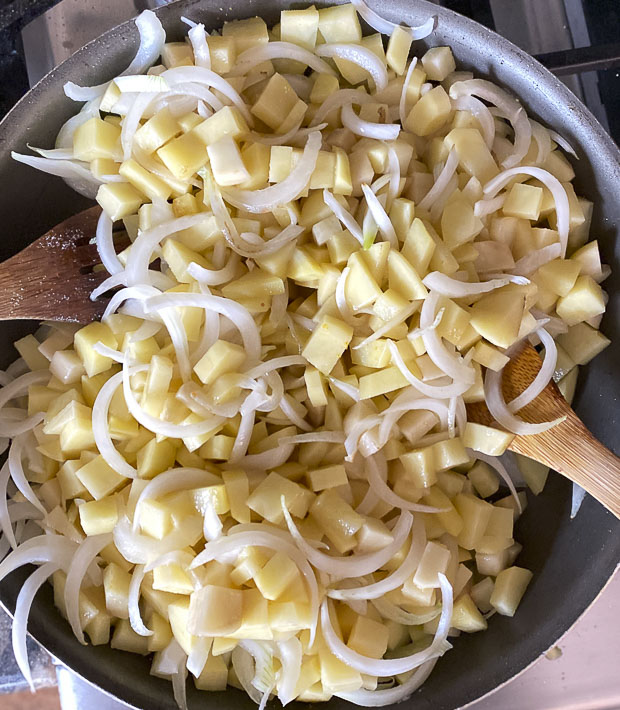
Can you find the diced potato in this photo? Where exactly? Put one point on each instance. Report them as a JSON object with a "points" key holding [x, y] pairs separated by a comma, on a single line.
{"points": [[116, 583], [144, 181], [119, 199], [158, 130], [484, 478], [85, 339], [265, 499], [490, 357], [172, 578], [215, 611], [381, 382], [404, 278], [126, 639], [300, 27], [214, 674], [226, 162], [585, 300], [438, 63], [176, 54], [336, 676], [184, 155], [276, 575], [338, 519], [434, 561], [429, 113], [327, 342], [523, 201], [223, 51], [368, 637], [246, 33], [155, 457], [238, 491], [449, 453], [583, 343], [99, 479], [486, 439], [325, 477], [66, 366], [458, 221], [398, 48], [220, 358], [448, 518], [275, 101], [162, 634], [534, 473], [96, 139], [474, 156], [509, 589], [340, 23], [373, 535], [99, 516], [466, 617], [558, 276], [418, 247], [497, 317], [476, 514], [420, 467]]}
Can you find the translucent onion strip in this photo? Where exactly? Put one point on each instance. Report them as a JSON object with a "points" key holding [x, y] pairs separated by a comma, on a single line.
{"points": [[543, 376], [133, 605], [368, 129], [279, 50], [386, 27], [359, 55], [442, 181], [105, 245], [453, 288]]}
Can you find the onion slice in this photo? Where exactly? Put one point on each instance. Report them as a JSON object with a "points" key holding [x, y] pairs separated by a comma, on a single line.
{"points": [[368, 129], [279, 50], [452, 288], [380, 24], [359, 55]]}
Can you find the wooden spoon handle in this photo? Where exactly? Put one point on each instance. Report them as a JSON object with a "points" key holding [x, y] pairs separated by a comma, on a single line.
{"points": [[570, 449]]}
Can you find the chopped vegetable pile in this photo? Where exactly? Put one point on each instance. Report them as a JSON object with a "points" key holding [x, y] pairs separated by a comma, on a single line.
{"points": [[258, 466]]}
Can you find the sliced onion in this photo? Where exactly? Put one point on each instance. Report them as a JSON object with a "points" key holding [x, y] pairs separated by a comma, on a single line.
{"points": [[18, 475], [179, 687], [275, 364], [198, 38], [482, 208], [508, 106], [395, 613], [359, 55], [355, 565], [390, 696], [343, 215], [235, 312], [562, 142], [101, 429], [133, 602], [495, 463], [480, 111], [347, 388], [402, 104], [82, 559], [386, 667], [290, 654], [443, 180], [331, 437], [388, 325], [531, 262], [200, 75], [578, 494], [105, 245], [368, 129], [199, 655], [554, 186], [293, 136], [142, 549], [82, 178], [243, 665], [341, 301], [543, 376], [5, 518], [268, 198], [38, 550], [279, 50], [543, 140], [380, 216], [152, 39], [452, 288], [396, 578], [337, 100], [20, 618], [380, 24], [215, 277]]}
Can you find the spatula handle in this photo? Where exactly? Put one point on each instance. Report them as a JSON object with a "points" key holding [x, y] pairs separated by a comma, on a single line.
{"points": [[570, 449]]}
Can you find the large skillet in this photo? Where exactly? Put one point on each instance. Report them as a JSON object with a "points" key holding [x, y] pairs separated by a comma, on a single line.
{"points": [[571, 560]]}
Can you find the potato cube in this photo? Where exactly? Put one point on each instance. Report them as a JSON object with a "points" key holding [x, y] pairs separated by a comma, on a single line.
{"points": [[116, 588], [523, 201], [449, 453], [490, 357], [368, 637], [246, 33], [509, 589], [96, 139], [276, 575], [459, 224], [585, 300], [265, 499], [144, 181], [66, 366], [476, 514], [255, 284], [497, 317], [85, 339], [403, 277], [327, 343], [184, 155], [172, 578], [337, 676], [340, 23], [487, 439], [320, 479], [420, 467], [99, 516], [215, 611], [237, 490], [429, 113], [214, 674], [583, 343], [466, 617], [178, 616], [438, 62], [162, 633], [155, 457], [474, 156], [220, 358], [484, 479], [228, 121], [300, 27], [361, 289], [99, 479], [434, 561], [398, 48], [382, 382], [118, 199], [315, 386], [76, 436], [338, 519], [226, 162], [158, 130], [255, 157]]}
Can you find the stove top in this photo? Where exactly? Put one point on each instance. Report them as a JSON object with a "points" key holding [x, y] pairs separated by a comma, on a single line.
{"points": [[579, 40]]}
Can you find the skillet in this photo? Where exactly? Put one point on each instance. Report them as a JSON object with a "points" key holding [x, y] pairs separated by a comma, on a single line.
{"points": [[571, 560]]}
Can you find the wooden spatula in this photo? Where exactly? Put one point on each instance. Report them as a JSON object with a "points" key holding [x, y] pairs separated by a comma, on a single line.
{"points": [[53, 277], [569, 447], [52, 280]]}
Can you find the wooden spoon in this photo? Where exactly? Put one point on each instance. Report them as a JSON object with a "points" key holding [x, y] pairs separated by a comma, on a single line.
{"points": [[52, 280], [568, 447]]}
